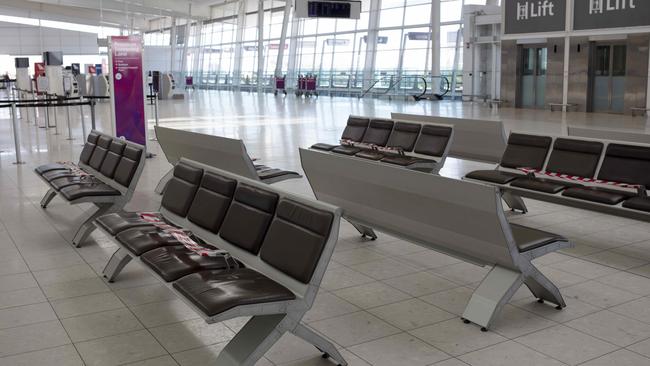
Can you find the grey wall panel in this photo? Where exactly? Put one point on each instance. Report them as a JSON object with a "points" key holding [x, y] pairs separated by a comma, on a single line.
{"points": [[509, 71], [636, 82], [579, 72], [555, 70]]}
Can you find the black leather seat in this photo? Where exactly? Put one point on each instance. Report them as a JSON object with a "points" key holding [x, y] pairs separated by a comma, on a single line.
{"points": [[355, 128], [494, 176], [433, 140], [139, 240], [522, 151], [543, 184], [598, 194], [346, 150], [58, 174], [370, 155], [528, 238], [638, 203], [274, 173], [324, 147], [118, 222], [378, 132], [404, 136], [217, 291], [71, 181], [75, 192], [174, 262], [50, 167]]}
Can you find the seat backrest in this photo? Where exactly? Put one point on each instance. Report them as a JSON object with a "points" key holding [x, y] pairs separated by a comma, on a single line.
{"points": [[181, 189], [474, 139], [248, 217], [575, 157], [295, 239], [433, 140], [112, 158], [220, 152], [211, 201], [88, 148], [128, 165], [355, 128], [461, 218], [526, 151], [98, 155], [404, 135], [632, 136], [378, 132], [626, 164]]}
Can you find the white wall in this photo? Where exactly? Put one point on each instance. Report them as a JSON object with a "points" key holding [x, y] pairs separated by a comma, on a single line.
{"points": [[19, 40]]}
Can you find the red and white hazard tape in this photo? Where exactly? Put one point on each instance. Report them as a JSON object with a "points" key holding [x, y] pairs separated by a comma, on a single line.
{"points": [[74, 168], [363, 145], [580, 179], [183, 237]]}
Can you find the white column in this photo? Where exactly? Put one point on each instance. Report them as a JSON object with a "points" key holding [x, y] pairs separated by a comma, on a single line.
{"points": [[260, 44], [186, 41], [283, 38], [371, 45], [197, 48], [239, 37], [172, 43], [647, 93]]}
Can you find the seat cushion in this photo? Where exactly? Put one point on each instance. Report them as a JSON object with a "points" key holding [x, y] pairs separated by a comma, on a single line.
{"points": [[56, 174], [139, 240], [217, 291], [174, 262], [529, 239], [275, 173], [597, 194], [369, 154], [70, 181], [543, 184], [494, 176], [346, 150], [115, 223], [50, 167], [324, 147], [72, 193], [638, 203]]}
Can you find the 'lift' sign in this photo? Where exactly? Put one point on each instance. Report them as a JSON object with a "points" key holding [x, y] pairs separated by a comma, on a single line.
{"points": [[599, 14], [533, 16]]}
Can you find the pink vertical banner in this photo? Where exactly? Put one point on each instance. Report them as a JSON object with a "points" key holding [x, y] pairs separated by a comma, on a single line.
{"points": [[128, 88]]}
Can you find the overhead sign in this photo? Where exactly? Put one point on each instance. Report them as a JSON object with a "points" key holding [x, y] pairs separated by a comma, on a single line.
{"points": [[598, 14], [419, 36], [127, 88], [534, 16]]}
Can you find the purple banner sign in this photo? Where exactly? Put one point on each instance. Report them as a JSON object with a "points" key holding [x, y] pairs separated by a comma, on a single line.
{"points": [[128, 90]]}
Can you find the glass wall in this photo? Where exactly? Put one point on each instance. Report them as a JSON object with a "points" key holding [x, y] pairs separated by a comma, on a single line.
{"points": [[334, 50]]}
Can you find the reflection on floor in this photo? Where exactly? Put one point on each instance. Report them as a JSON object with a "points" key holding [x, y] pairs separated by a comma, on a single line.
{"points": [[384, 303]]}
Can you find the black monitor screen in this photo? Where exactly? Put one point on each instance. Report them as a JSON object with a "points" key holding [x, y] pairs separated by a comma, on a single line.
{"points": [[317, 9]]}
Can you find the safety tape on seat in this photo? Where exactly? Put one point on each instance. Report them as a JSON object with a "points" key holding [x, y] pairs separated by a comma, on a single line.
{"points": [[363, 145], [74, 168], [580, 179], [184, 238]]}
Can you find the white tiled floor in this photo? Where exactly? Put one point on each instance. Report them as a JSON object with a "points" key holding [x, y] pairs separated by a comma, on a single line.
{"points": [[383, 303]]}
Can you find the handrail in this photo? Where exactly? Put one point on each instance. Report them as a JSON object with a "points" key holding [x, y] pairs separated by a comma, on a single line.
{"points": [[393, 84]]}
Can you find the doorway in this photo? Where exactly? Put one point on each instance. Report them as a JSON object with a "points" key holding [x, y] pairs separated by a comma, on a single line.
{"points": [[607, 78], [533, 76]]}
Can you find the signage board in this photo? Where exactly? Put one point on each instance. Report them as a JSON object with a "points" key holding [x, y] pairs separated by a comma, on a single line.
{"points": [[419, 36], [127, 88], [98, 69], [534, 16], [39, 69], [598, 14]]}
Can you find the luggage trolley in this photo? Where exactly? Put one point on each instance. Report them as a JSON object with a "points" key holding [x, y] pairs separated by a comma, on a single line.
{"points": [[280, 85], [306, 86]]}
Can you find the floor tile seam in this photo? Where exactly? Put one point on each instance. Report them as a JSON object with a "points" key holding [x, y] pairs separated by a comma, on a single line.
{"points": [[584, 333], [547, 355], [348, 349]]}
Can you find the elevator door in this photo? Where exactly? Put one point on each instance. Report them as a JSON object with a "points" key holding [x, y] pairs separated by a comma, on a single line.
{"points": [[533, 78], [609, 78]]}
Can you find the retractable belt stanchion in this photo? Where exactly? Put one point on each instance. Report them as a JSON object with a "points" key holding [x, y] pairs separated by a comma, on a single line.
{"points": [[155, 116], [34, 101], [92, 113], [82, 119], [67, 114], [19, 159], [56, 120], [47, 115]]}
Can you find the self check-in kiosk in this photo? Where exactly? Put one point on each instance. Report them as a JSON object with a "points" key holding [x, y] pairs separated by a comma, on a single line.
{"points": [[22, 74], [54, 72]]}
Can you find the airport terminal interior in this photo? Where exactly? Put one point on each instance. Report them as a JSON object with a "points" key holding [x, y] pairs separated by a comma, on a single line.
{"points": [[324, 182]]}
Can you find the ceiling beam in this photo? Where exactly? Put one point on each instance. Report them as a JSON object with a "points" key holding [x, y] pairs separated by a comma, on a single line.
{"points": [[170, 8]]}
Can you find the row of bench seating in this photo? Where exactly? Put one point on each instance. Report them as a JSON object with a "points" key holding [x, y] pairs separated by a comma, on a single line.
{"points": [[411, 145], [273, 249], [220, 152], [622, 166], [461, 218], [106, 175]]}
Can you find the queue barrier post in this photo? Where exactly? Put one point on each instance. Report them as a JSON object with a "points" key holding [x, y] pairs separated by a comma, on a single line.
{"points": [[19, 159]]}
